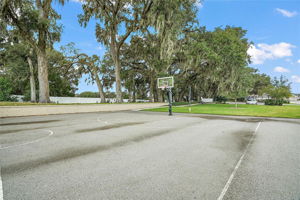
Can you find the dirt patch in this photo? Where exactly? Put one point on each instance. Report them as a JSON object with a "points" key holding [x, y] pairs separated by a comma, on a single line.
{"points": [[107, 127], [31, 122]]}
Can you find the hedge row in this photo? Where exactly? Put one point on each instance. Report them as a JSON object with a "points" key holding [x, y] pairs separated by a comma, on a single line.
{"points": [[275, 102]]}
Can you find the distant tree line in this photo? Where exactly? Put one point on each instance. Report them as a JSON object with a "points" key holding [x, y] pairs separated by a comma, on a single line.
{"points": [[89, 94]]}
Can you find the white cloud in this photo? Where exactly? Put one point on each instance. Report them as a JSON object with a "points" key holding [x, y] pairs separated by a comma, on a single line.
{"points": [[263, 52], [78, 1], [258, 56], [286, 13], [100, 48], [279, 50], [296, 79], [281, 69], [298, 61]]}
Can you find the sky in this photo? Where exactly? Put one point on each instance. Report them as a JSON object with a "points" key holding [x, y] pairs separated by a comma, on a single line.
{"points": [[272, 25]]}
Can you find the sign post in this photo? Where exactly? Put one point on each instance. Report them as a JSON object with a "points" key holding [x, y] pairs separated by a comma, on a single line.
{"points": [[167, 83]]}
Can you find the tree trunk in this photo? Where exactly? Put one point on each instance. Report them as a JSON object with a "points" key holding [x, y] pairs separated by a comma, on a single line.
{"points": [[41, 53], [118, 80], [115, 54], [32, 79], [198, 98], [43, 76], [152, 90], [155, 93], [131, 87], [134, 92], [180, 96], [130, 95], [100, 86]]}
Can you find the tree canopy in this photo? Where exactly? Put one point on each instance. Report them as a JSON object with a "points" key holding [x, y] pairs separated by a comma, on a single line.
{"points": [[34, 21], [144, 40]]}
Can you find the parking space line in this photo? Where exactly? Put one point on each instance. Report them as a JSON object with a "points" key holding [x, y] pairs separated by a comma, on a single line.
{"points": [[1, 189], [237, 165]]}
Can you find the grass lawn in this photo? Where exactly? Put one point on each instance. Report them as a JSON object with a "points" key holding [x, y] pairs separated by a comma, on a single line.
{"points": [[182, 103], [289, 111]]}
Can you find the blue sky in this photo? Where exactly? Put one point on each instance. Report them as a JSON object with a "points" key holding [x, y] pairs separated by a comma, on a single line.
{"points": [[273, 26]]}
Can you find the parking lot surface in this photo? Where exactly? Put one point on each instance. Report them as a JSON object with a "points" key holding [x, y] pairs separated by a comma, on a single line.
{"points": [[143, 155]]}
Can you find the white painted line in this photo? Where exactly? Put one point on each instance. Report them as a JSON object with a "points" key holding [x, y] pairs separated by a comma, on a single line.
{"points": [[100, 120], [237, 165], [30, 142], [1, 189]]}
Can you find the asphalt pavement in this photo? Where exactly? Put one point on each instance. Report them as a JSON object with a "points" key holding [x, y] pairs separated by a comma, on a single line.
{"points": [[143, 155]]}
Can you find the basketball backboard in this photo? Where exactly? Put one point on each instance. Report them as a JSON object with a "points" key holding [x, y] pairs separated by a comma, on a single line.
{"points": [[165, 82]]}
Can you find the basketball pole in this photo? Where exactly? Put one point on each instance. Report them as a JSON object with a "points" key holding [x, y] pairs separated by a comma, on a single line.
{"points": [[170, 101], [190, 95]]}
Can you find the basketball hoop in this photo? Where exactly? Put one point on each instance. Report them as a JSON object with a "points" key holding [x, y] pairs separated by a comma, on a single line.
{"points": [[163, 88], [167, 83]]}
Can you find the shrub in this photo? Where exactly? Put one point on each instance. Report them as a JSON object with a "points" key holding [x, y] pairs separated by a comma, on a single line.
{"points": [[89, 94], [241, 99], [274, 102], [5, 89], [286, 101], [220, 99]]}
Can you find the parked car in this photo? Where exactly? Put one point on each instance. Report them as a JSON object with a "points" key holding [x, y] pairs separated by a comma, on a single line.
{"points": [[251, 101]]}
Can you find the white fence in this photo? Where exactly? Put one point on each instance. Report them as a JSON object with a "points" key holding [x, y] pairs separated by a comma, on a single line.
{"points": [[207, 100], [80, 99]]}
